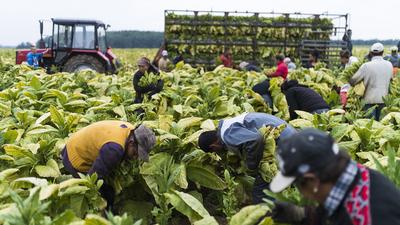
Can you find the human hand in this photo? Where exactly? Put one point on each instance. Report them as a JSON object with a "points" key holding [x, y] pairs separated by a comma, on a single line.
{"points": [[285, 212]]}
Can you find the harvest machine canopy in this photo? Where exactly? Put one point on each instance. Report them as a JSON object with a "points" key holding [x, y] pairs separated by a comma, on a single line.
{"points": [[200, 36]]}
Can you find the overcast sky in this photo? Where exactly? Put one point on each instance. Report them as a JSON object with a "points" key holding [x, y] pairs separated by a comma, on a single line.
{"points": [[18, 18]]}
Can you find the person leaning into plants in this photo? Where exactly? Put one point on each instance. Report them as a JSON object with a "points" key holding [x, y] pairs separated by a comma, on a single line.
{"points": [[226, 58], [241, 136], [245, 66], [281, 69], [301, 97], [347, 192], [145, 67], [102, 146], [376, 76], [262, 89]]}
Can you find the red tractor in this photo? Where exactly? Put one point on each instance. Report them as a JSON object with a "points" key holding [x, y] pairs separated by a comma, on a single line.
{"points": [[75, 45]]}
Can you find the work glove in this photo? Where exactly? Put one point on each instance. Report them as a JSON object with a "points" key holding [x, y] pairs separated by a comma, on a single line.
{"points": [[285, 212]]}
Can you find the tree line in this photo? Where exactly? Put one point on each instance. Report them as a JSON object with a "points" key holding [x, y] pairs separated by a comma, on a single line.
{"points": [[153, 39]]}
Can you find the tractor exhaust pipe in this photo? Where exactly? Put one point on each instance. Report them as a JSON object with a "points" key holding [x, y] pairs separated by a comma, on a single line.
{"points": [[42, 44]]}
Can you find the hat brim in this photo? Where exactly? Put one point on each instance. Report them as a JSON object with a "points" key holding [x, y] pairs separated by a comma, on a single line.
{"points": [[143, 154], [280, 182]]}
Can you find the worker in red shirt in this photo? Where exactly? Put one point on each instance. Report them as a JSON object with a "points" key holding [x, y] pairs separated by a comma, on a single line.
{"points": [[226, 58], [281, 70]]}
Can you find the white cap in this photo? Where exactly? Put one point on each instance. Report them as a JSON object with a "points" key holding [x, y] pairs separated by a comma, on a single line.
{"points": [[394, 49], [243, 64], [377, 47], [280, 182], [164, 53], [287, 60]]}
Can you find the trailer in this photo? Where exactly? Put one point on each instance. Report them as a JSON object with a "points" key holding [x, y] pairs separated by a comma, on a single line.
{"points": [[256, 37]]}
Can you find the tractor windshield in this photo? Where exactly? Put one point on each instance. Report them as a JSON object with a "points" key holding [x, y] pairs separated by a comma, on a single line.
{"points": [[101, 34], [63, 36], [84, 37]]}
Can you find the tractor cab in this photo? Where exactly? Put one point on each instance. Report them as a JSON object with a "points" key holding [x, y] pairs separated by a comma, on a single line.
{"points": [[75, 45]]}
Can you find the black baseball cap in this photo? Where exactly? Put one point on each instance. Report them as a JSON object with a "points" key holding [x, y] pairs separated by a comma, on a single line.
{"points": [[306, 151]]}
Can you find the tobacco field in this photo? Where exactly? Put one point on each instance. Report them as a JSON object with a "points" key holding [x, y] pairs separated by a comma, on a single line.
{"points": [[180, 184]]}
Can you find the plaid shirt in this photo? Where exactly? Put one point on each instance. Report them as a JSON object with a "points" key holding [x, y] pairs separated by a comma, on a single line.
{"points": [[338, 192]]}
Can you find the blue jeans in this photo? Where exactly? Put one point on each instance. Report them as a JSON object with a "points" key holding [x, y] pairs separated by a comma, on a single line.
{"points": [[376, 113], [267, 98]]}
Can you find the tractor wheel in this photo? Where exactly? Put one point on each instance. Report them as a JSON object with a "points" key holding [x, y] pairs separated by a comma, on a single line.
{"points": [[83, 62]]}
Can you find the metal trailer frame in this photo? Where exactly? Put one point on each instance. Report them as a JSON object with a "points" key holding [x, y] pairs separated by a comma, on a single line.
{"points": [[329, 48]]}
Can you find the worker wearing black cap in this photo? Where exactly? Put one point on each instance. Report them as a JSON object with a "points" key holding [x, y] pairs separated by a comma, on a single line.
{"points": [[348, 193]]}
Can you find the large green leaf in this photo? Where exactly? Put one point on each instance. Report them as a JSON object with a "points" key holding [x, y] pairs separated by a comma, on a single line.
{"points": [[341, 130], [189, 122], [305, 115], [65, 218], [56, 117], [50, 170], [17, 151], [35, 83], [187, 205], [204, 177], [181, 180], [249, 215], [48, 191]]}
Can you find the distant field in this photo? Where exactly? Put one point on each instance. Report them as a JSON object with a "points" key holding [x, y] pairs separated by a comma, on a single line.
{"points": [[133, 54]]}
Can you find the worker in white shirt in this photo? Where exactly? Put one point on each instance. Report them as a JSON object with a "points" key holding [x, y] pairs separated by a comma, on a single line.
{"points": [[376, 76]]}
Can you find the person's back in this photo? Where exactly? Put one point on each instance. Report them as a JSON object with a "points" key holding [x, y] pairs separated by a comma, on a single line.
{"points": [[376, 76], [394, 59], [235, 129], [163, 64], [304, 99], [84, 145]]}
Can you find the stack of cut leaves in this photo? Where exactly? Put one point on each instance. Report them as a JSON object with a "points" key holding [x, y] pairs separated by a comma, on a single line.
{"points": [[181, 184], [148, 79], [200, 38]]}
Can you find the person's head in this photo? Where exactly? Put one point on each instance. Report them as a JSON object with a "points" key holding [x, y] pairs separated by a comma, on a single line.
{"points": [[289, 84], [344, 56], [394, 50], [164, 53], [227, 52], [349, 33], [287, 60], [314, 56], [33, 49], [312, 161], [243, 65], [209, 141], [139, 143], [279, 58], [377, 49], [143, 64]]}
